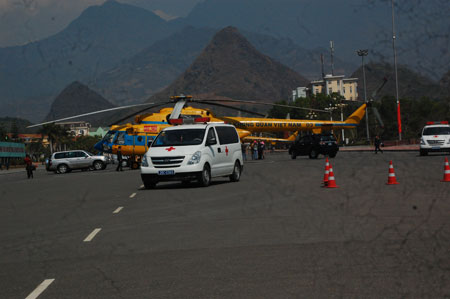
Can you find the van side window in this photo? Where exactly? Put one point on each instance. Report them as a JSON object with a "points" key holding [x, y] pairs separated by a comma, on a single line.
{"points": [[61, 155], [211, 136], [227, 135], [80, 154]]}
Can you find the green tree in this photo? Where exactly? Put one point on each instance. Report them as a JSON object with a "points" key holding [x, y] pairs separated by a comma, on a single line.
{"points": [[14, 131], [57, 136], [3, 136], [84, 143]]}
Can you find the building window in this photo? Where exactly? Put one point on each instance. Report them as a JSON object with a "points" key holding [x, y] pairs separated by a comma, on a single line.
{"points": [[330, 90], [351, 89], [343, 89]]}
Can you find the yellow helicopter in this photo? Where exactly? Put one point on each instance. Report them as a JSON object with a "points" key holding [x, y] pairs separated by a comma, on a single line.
{"points": [[134, 139]]}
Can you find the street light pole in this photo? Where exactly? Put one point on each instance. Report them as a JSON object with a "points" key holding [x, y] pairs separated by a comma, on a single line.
{"points": [[342, 105], [363, 53], [399, 120]]}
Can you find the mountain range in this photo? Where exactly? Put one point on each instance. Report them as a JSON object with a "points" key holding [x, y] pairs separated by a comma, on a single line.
{"points": [[102, 36], [157, 66], [127, 53], [77, 99], [231, 67]]}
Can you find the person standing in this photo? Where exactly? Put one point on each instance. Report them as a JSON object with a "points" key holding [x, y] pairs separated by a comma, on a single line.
{"points": [[255, 150], [244, 151], [29, 166], [119, 159], [377, 143], [263, 148]]}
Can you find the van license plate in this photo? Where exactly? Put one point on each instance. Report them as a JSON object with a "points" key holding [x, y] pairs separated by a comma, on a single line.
{"points": [[166, 172], [435, 147]]}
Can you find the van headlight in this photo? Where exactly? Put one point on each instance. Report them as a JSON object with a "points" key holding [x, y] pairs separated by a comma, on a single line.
{"points": [[195, 159], [144, 161], [422, 142]]}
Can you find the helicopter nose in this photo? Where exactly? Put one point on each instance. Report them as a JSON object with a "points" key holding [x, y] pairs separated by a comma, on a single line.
{"points": [[99, 146]]}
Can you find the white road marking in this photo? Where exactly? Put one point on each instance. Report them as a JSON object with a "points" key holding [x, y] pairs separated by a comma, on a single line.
{"points": [[142, 186], [118, 210], [92, 235], [40, 289], [132, 195]]}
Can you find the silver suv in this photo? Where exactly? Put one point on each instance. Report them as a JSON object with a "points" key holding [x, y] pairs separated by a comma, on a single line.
{"points": [[62, 162]]}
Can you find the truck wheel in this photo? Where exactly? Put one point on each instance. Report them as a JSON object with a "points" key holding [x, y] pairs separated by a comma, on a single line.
{"points": [[423, 152], [98, 165], [293, 155], [332, 155], [149, 184], [313, 154], [236, 175], [205, 177], [62, 168]]}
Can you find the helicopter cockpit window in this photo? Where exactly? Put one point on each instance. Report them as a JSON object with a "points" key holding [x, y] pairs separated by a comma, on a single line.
{"points": [[120, 138], [109, 137], [179, 138]]}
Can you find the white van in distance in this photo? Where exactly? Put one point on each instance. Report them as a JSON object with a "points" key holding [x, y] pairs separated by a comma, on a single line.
{"points": [[195, 152], [435, 138]]}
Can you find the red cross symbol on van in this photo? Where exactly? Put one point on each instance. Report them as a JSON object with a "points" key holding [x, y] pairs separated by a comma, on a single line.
{"points": [[226, 150], [170, 149]]}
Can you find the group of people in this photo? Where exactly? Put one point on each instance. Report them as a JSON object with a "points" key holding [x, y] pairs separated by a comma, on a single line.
{"points": [[4, 161], [256, 149]]}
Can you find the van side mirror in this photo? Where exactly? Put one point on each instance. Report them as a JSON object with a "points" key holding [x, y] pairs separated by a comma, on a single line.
{"points": [[149, 143], [211, 141]]}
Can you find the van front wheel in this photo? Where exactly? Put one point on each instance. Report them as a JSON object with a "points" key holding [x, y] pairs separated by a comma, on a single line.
{"points": [[236, 175], [205, 177]]}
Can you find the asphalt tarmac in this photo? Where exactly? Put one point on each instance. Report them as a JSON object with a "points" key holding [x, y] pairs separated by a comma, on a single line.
{"points": [[275, 234]]}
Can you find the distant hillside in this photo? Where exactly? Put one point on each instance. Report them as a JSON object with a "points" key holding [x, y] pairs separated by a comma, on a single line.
{"points": [[101, 37], [7, 123], [78, 99], [157, 66], [411, 84], [422, 26], [154, 68], [445, 83], [231, 67]]}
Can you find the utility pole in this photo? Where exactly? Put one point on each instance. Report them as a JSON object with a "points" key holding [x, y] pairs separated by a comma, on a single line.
{"points": [[363, 53], [399, 120], [332, 54]]}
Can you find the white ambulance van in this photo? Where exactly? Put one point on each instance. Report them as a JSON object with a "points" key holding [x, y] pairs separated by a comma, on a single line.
{"points": [[196, 152], [435, 138]]}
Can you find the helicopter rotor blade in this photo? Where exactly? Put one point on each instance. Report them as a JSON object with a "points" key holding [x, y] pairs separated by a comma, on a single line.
{"points": [[137, 112], [231, 107], [375, 92], [260, 103], [90, 113], [377, 115]]}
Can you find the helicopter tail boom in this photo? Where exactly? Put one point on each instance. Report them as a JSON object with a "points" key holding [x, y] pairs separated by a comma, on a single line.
{"points": [[356, 116]]}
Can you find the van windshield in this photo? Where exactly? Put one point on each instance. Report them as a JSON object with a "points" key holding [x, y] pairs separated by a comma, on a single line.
{"points": [[179, 137], [437, 131]]}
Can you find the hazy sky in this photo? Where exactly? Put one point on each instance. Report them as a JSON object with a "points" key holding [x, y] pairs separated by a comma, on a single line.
{"points": [[23, 21]]}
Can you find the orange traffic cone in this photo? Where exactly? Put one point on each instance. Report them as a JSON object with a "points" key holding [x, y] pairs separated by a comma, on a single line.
{"points": [[331, 180], [327, 172], [446, 171], [392, 180]]}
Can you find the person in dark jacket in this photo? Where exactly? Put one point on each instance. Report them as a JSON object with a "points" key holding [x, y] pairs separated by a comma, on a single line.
{"points": [[29, 166], [119, 159], [377, 143]]}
